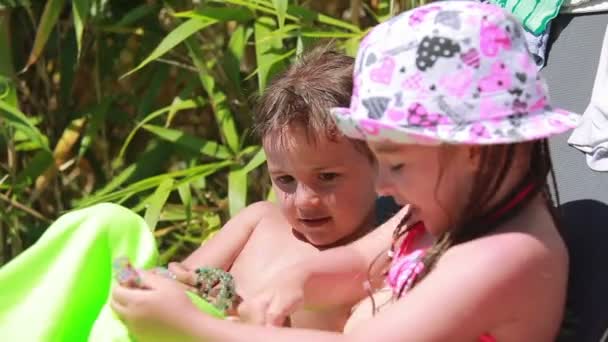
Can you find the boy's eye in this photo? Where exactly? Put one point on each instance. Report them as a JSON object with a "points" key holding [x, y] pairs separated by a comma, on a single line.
{"points": [[396, 168], [328, 176], [284, 179]]}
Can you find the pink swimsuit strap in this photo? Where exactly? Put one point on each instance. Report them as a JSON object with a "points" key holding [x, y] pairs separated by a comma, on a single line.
{"points": [[407, 265]]}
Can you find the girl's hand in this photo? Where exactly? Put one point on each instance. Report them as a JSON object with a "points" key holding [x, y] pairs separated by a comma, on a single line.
{"points": [[182, 273], [276, 301], [159, 311]]}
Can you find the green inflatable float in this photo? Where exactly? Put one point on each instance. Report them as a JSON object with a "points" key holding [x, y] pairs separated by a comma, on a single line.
{"points": [[59, 289]]}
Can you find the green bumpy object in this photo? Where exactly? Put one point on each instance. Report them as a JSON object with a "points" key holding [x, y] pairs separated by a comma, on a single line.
{"points": [[59, 289]]}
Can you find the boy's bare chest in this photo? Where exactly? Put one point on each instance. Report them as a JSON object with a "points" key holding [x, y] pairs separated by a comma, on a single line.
{"points": [[267, 252]]}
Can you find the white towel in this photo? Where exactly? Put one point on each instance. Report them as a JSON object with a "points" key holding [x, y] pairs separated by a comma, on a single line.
{"points": [[572, 3], [584, 6], [591, 136]]}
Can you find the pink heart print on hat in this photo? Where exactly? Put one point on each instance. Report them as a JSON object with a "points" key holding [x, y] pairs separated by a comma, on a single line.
{"points": [[493, 38], [418, 15], [450, 72], [384, 73], [499, 79]]}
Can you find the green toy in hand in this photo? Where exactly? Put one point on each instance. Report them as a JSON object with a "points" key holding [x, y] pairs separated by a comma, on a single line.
{"points": [[127, 275]]}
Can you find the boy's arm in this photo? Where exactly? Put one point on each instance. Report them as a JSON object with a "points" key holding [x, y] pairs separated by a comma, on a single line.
{"points": [[223, 248]]}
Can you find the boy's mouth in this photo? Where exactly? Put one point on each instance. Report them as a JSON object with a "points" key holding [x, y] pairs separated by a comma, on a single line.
{"points": [[315, 222]]}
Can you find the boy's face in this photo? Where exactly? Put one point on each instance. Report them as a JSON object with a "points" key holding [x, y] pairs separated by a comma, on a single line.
{"points": [[325, 188]]}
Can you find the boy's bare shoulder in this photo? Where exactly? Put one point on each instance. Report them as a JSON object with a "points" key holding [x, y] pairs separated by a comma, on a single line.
{"points": [[265, 212], [262, 207]]}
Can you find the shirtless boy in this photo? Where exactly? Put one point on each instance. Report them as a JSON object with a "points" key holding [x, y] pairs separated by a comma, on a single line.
{"points": [[322, 181]]}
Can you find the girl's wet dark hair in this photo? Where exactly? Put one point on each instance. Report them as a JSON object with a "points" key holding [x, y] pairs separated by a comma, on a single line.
{"points": [[496, 161]]}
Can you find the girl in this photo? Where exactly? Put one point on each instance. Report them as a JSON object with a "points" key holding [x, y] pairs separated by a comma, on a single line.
{"points": [[449, 101]]}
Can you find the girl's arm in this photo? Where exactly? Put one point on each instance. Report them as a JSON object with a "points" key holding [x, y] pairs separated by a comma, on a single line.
{"points": [[473, 290], [337, 276], [332, 278]]}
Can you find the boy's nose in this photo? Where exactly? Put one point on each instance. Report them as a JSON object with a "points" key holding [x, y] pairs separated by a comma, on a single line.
{"points": [[306, 197]]}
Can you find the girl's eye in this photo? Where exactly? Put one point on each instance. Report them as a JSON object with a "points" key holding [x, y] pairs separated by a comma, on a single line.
{"points": [[396, 168], [284, 179], [328, 176]]}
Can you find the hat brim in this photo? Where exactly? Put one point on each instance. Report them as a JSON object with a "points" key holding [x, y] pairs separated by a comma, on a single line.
{"points": [[533, 126]]}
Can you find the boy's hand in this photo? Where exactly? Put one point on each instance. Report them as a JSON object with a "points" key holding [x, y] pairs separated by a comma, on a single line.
{"points": [[277, 301]]}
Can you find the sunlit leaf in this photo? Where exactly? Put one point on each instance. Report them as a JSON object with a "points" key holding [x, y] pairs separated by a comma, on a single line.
{"points": [[182, 105], [17, 119], [221, 110], [158, 200], [192, 143], [269, 52], [223, 14], [174, 38], [281, 7], [80, 10], [52, 9], [186, 196]]}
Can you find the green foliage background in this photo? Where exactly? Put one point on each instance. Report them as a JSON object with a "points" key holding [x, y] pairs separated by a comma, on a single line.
{"points": [[147, 103]]}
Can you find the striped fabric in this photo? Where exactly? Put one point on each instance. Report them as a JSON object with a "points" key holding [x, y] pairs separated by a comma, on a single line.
{"points": [[535, 15]]}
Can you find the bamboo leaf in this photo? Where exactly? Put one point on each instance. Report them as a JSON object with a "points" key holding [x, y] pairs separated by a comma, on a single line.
{"points": [[186, 196], [268, 52], [270, 63], [223, 14], [175, 37], [237, 183], [327, 34], [258, 159], [281, 7], [223, 115], [19, 121], [52, 9], [154, 181], [312, 16], [80, 10], [157, 202], [136, 14], [97, 116], [41, 161], [271, 196], [195, 144], [237, 191], [182, 105], [232, 59]]}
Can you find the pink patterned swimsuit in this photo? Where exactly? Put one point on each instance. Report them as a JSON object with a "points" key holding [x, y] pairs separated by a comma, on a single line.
{"points": [[407, 266]]}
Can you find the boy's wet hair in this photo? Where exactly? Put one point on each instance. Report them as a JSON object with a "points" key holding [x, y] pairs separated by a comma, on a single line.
{"points": [[303, 94]]}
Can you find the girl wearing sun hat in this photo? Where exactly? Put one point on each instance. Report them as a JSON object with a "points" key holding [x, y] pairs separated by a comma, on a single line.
{"points": [[450, 102]]}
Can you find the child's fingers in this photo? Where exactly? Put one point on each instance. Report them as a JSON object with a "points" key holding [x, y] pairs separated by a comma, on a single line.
{"points": [[279, 309], [253, 311], [124, 295], [153, 281], [182, 274], [120, 308]]}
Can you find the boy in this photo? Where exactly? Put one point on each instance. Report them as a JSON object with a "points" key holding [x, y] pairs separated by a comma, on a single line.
{"points": [[322, 180]]}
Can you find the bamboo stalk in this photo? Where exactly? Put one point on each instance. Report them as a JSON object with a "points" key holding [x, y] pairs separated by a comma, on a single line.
{"points": [[355, 11]]}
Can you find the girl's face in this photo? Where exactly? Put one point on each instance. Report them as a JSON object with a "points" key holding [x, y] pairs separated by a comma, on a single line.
{"points": [[435, 180]]}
